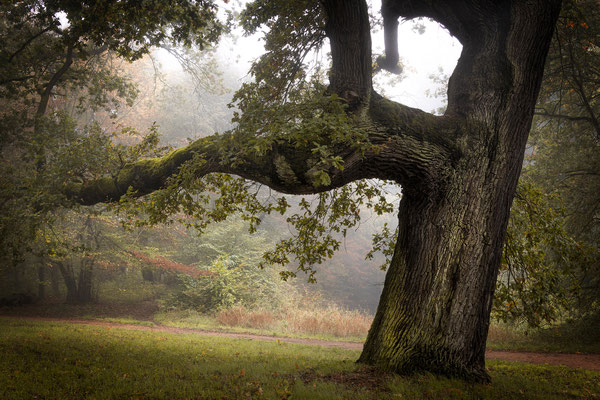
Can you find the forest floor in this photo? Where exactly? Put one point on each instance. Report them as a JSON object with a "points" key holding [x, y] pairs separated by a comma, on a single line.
{"points": [[584, 361]]}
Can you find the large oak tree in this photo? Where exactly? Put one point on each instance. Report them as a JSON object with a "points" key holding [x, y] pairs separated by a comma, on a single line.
{"points": [[458, 171]]}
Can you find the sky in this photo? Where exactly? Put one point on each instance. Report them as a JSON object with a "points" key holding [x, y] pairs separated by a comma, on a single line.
{"points": [[421, 54]]}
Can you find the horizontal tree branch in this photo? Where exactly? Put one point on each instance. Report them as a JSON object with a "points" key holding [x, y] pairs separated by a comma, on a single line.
{"points": [[401, 149]]}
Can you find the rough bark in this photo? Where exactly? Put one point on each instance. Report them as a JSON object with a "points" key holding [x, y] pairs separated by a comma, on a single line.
{"points": [[349, 36], [435, 306], [458, 171]]}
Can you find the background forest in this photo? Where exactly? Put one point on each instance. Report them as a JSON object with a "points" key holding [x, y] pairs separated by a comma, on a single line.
{"points": [[80, 112]]}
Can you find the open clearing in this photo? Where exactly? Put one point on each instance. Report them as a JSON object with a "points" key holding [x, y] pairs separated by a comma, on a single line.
{"points": [[585, 361]]}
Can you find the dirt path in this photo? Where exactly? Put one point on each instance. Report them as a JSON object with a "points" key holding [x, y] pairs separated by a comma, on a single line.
{"points": [[585, 361]]}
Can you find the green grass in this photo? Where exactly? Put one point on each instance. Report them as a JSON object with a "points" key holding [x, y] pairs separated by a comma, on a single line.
{"points": [[68, 361], [141, 311], [580, 337], [564, 339]]}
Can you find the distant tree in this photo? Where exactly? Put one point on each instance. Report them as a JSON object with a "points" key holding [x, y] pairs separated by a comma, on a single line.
{"points": [[234, 256], [73, 247], [42, 54], [542, 264], [163, 264]]}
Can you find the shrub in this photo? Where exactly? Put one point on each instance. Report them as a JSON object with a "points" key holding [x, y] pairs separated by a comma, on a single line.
{"points": [[231, 282], [329, 320]]}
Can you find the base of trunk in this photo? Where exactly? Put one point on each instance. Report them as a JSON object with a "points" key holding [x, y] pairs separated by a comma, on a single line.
{"points": [[434, 310], [435, 360]]}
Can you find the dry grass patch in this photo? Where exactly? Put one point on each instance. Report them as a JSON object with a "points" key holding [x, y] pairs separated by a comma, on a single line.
{"points": [[331, 320], [240, 316]]}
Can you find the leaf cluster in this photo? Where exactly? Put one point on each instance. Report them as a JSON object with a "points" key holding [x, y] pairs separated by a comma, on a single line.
{"points": [[128, 27], [542, 264]]}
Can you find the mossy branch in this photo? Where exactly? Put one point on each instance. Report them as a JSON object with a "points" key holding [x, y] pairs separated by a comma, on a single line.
{"points": [[393, 153]]}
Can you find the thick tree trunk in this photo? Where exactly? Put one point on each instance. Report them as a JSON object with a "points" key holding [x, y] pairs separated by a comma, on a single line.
{"points": [[79, 291], [434, 310], [350, 75]]}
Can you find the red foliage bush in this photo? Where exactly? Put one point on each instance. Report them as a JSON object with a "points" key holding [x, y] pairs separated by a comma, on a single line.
{"points": [[165, 264]]}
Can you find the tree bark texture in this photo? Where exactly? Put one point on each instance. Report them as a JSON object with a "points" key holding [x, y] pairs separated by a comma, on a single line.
{"points": [[434, 310], [458, 171]]}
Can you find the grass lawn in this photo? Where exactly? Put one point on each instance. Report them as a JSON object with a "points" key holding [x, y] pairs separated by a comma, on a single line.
{"points": [[583, 337], [67, 361]]}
